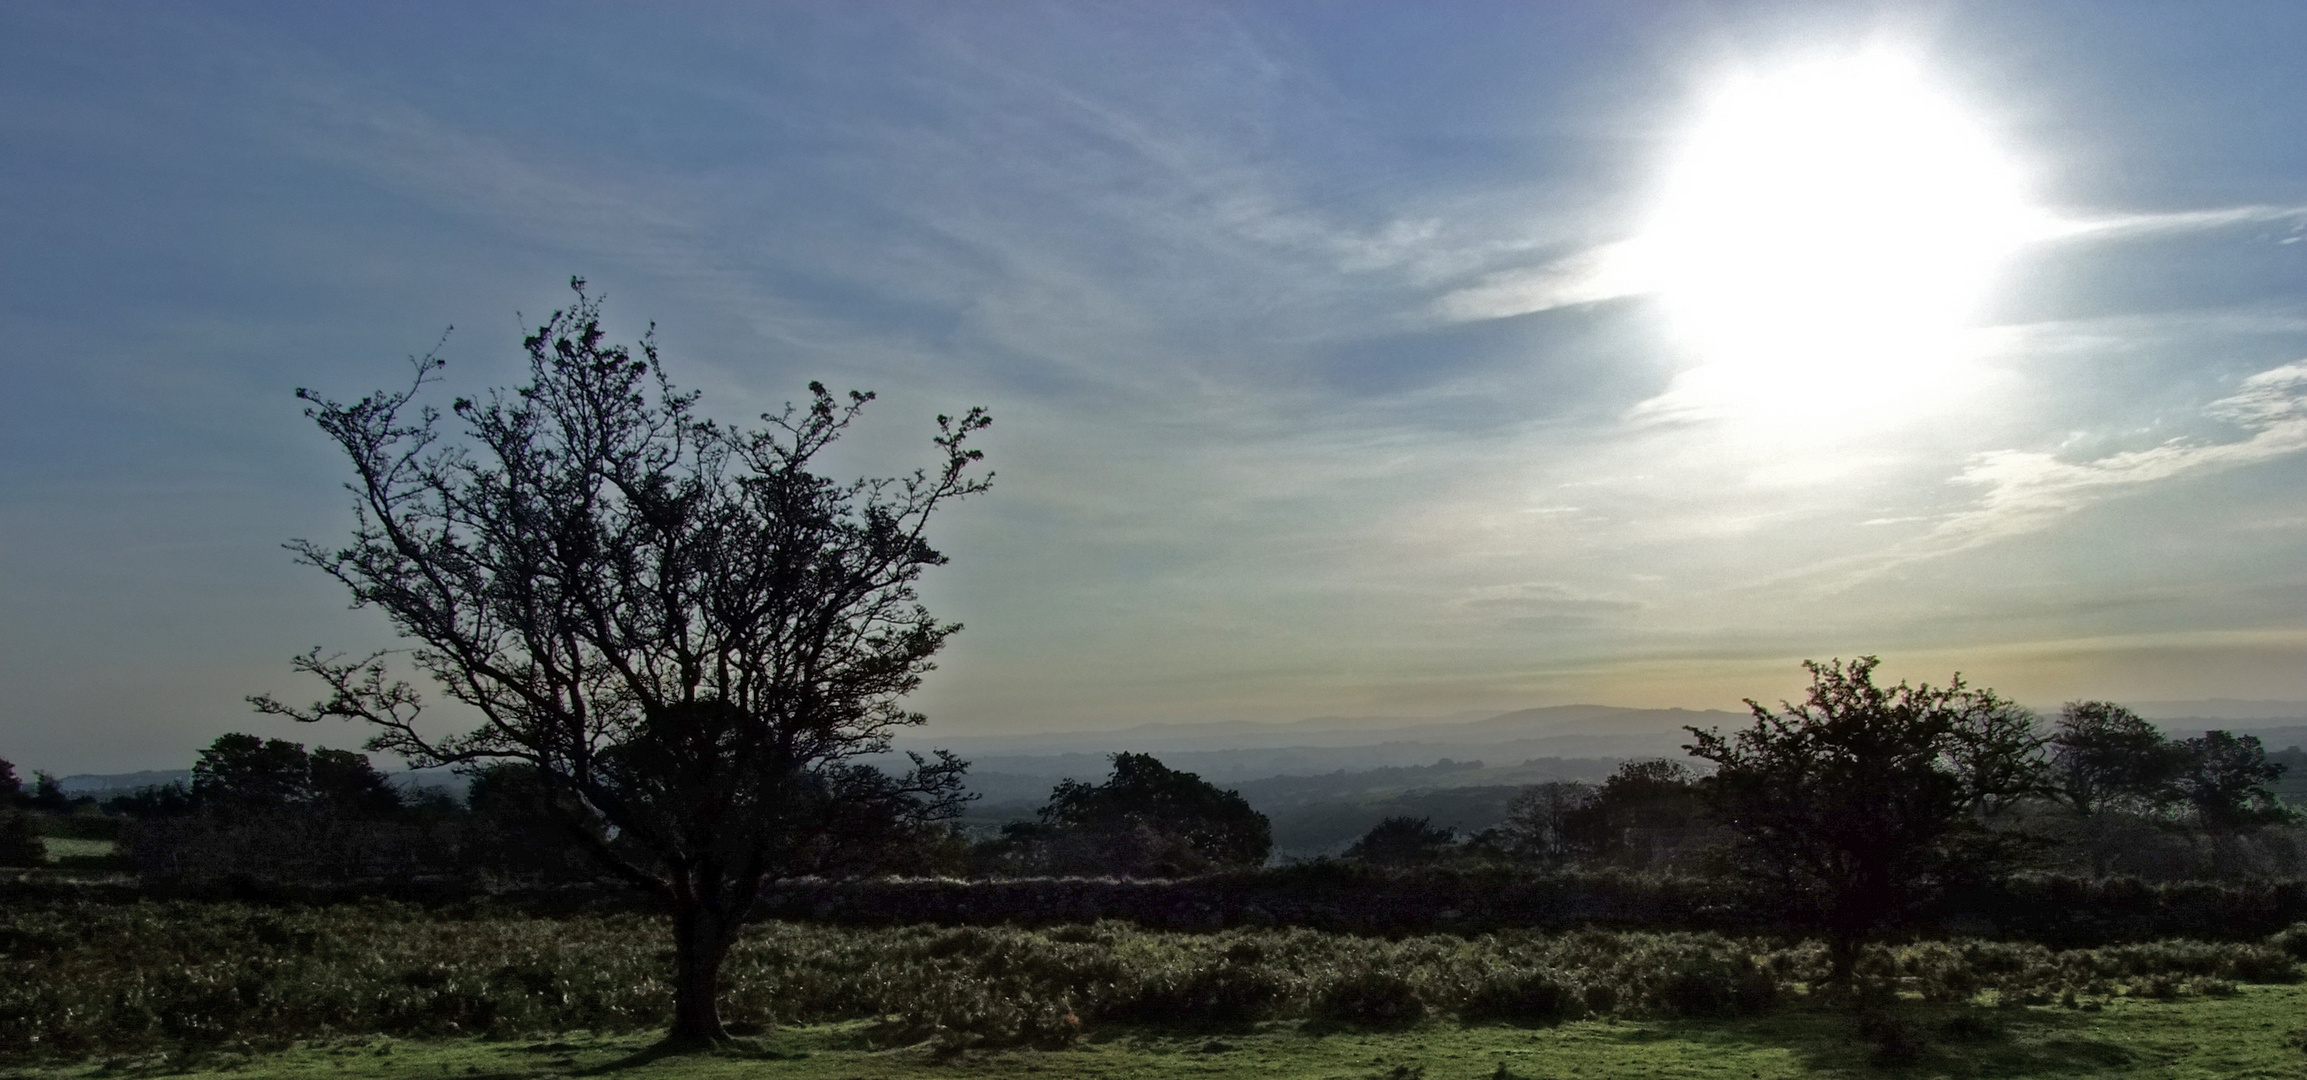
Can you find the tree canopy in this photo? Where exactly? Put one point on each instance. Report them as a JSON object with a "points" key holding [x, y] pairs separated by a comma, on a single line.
{"points": [[2106, 757], [1863, 800], [1403, 841], [2225, 778], [1146, 820], [684, 630], [244, 773]]}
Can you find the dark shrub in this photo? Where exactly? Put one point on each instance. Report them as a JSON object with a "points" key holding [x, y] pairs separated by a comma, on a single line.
{"points": [[2263, 964], [1941, 971], [1970, 1027], [20, 843], [2292, 940], [1370, 999], [1222, 995], [1718, 993], [1536, 997]]}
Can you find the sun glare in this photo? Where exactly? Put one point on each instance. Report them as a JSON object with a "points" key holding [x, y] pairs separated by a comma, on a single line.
{"points": [[1828, 230]]}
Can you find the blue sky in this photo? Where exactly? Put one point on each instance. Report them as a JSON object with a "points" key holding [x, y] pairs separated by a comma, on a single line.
{"points": [[1309, 397]]}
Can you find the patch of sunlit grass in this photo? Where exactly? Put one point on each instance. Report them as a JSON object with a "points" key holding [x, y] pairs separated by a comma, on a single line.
{"points": [[2247, 1034]]}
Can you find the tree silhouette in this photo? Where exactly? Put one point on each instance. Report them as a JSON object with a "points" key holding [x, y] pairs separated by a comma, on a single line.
{"points": [[245, 773], [1403, 841], [2224, 779], [684, 631], [1642, 812], [1147, 820], [1545, 821], [1862, 801], [2106, 757]]}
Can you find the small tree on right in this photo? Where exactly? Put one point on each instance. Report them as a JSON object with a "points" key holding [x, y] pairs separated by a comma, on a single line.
{"points": [[2225, 779], [2104, 757], [1862, 802]]}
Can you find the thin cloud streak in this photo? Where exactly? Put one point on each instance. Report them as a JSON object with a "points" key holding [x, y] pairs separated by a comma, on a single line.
{"points": [[2185, 221], [2027, 491], [1620, 269], [1608, 272]]}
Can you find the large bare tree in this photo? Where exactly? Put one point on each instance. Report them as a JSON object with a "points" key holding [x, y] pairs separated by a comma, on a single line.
{"points": [[688, 634]]}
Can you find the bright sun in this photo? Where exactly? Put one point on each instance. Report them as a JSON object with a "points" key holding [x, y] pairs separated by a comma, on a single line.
{"points": [[1832, 224]]}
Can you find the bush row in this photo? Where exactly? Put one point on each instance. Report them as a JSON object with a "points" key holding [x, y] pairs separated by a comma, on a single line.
{"points": [[2069, 912], [80, 978], [2059, 911]]}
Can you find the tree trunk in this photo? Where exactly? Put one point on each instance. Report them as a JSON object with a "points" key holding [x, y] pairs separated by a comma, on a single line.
{"points": [[701, 940], [1842, 950]]}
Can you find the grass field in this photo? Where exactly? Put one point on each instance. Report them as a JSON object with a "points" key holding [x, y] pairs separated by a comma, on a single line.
{"points": [[134, 989], [69, 851], [2248, 1034]]}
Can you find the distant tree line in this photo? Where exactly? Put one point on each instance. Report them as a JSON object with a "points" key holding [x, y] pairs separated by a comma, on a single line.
{"points": [[1862, 804], [2105, 792], [268, 808], [1980, 786]]}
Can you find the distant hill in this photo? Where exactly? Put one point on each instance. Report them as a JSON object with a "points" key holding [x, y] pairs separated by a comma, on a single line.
{"points": [[2231, 710], [1326, 744], [1322, 814], [1325, 781], [120, 783], [105, 785]]}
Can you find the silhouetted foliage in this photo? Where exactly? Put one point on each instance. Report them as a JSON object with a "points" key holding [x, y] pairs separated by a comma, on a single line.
{"points": [[1146, 820], [514, 830], [1863, 801], [1403, 841], [343, 784], [2104, 757], [48, 794], [158, 801], [1642, 815], [2225, 780], [1542, 822], [19, 834], [264, 809], [20, 843], [679, 626], [243, 772]]}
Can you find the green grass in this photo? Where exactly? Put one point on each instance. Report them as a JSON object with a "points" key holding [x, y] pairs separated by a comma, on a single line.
{"points": [[2248, 1034], [73, 853]]}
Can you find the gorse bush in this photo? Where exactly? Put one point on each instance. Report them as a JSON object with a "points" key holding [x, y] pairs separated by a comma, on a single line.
{"points": [[83, 977], [1532, 997], [1371, 999], [2033, 972]]}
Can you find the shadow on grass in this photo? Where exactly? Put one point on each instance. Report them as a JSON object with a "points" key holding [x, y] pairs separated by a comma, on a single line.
{"points": [[1942, 1040], [668, 1049]]}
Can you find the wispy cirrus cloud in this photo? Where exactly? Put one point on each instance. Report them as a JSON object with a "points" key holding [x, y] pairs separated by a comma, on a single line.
{"points": [[1545, 606], [1624, 268], [1605, 272], [2117, 226], [2027, 491]]}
